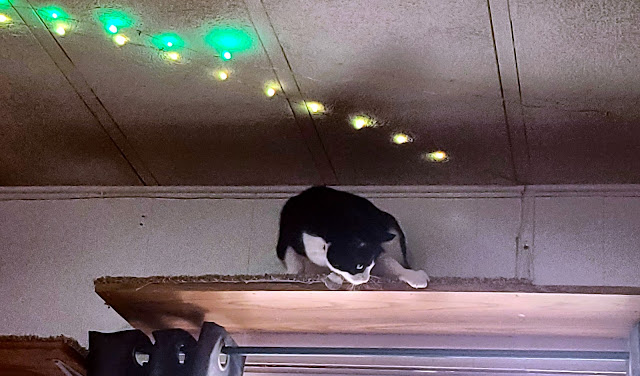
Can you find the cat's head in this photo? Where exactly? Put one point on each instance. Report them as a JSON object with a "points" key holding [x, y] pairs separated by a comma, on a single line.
{"points": [[353, 257]]}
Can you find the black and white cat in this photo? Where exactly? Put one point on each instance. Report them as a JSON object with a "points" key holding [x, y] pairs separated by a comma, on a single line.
{"points": [[323, 228]]}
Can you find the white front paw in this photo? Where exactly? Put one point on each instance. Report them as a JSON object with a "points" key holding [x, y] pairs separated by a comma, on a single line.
{"points": [[417, 279]]}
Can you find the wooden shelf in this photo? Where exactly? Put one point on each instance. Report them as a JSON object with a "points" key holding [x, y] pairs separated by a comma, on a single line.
{"points": [[31, 355], [281, 304]]}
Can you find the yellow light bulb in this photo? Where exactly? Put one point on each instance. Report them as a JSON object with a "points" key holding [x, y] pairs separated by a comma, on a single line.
{"points": [[315, 107], [271, 88], [60, 30], [173, 56], [437, 156], [4, 18], [120, 40], [361, 121], [401, 138], [222, 75]]}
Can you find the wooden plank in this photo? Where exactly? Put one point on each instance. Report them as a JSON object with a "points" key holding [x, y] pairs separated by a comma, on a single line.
{"points": [[30, 355], [449, 306]]}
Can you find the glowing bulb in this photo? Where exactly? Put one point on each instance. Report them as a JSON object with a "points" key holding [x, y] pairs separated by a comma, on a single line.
{"points": [[53, 13], [437, 156], [173, 56], [315, 107], [4, 18], [401, 138], [226, 55], [120, 40], [271, 88], [169, 44], [113, 20], [222, 75], [60, 30], [361, 121]]}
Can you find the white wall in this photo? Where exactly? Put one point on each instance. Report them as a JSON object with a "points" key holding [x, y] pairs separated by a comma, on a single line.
{"points": [[55, 241]]}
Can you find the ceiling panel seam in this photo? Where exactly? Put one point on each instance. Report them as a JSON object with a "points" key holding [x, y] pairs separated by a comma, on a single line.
{"points": [[510, 88], [85, 92], [284, 73]]}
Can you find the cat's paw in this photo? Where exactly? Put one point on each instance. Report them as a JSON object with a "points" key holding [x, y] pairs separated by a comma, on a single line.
{"points": [[332, 281], [418, 279]]}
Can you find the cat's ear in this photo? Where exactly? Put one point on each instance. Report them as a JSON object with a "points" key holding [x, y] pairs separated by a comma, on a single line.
{"points": [[387, 237]]}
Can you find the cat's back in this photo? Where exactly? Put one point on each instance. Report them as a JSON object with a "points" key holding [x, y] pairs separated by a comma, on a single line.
{"points": [[329, 203]]}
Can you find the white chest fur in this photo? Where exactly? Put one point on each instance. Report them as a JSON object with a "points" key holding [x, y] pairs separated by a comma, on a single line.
{"points": [[316, 249]]}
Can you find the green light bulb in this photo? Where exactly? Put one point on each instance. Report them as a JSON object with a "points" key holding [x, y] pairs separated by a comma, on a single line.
{"points": [[53, 13], [168, 42], [228, 41], [113, 20]]}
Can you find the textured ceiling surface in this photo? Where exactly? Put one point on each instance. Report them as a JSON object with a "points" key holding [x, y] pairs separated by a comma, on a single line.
{"points": [[514, 91]]}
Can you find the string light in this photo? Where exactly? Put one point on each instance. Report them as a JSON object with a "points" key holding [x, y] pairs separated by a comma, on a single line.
{"points": [[315, 107], [168, 42], [362, 121], [222, 75], [174, 56], [53, 13], [61, 30], [437, 156], [401, 138], [271, 89], [227, 41], [120, 40], [113, 20]]}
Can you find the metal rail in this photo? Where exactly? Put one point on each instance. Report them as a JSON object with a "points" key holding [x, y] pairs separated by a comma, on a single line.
{"points": [[430, 353]]}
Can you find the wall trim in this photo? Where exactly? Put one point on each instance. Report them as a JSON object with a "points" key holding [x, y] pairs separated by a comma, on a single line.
{"points": [[282, 192]]}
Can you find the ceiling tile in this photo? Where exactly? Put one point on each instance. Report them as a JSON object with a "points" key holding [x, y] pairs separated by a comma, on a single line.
{"points": [[189, 127], [423, 67], [47, 135], [580, 76]]}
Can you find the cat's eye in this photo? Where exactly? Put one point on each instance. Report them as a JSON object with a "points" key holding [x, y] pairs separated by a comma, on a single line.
{"points": [[359, 266]]}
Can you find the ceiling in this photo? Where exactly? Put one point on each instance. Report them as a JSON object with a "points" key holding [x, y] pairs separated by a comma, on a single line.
{"points": [[514, 91]]}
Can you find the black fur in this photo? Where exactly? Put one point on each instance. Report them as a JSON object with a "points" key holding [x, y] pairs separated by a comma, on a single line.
{"points": [[352, 225]]}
